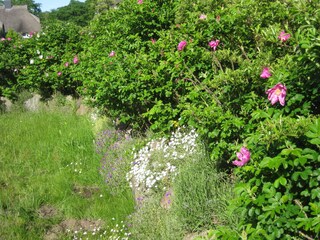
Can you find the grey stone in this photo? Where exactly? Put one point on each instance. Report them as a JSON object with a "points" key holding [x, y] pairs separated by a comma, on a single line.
{"points": [[7, 103], [33, 104]]}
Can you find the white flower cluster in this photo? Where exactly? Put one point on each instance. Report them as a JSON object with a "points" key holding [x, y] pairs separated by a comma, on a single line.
{"points": [[76, 167], [181, 142], [158, 159], [117, 232]]}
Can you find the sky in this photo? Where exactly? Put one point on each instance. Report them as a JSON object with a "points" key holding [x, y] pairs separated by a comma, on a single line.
{"points": [[47, 5]]}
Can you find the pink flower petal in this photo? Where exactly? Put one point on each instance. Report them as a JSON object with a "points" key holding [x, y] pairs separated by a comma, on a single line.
{"points": [[246, 154], [243, 157], [265, 73], [282, 99], [238, 163], [239, 156], [277, 93], [182, 45]]}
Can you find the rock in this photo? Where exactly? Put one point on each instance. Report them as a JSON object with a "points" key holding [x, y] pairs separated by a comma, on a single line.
{"points": [[82, 110], [33, 104], [7, 104]]}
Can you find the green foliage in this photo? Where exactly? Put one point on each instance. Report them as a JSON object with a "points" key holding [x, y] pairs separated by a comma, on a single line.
{"points": [[116, 83], [280, 195], [149, 83], [34, 63], [10, 62], [79, 13], [46, 55]]}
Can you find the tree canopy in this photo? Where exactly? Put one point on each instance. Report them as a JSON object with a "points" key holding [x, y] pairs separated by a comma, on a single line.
{"points": [[34, 8], [79, 13]]}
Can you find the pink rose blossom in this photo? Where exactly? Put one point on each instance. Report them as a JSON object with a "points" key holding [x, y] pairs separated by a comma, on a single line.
{"points": [[182, 45], [214, 44], [59, 74], [140, 1], [243, 157], [203, 17], [265, 73], [112, 54], [153, 40], [66, 64], [277, 93], [75, 60], [283, 36], [3, 39]]}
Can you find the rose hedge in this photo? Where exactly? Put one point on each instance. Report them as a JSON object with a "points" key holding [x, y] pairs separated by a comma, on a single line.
{"points": [[244, 73], [39, 63]]}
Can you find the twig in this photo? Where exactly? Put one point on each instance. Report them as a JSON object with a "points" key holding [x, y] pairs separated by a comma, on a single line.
{"points": [[305, 236], [207, 89], [296, 201], [217, 61], [244, 53]]}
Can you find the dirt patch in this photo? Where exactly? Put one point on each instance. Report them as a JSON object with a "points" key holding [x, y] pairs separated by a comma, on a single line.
{"points": [[3, 185], [166, 200], [47, 211], [85, 191], [192, 236], [71, 226]]}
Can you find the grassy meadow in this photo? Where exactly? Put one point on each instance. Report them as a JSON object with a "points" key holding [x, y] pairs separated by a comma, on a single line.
{"points": [[49, 174]]}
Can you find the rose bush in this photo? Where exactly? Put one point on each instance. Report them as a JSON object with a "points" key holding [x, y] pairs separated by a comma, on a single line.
{"points": [[206, 73], [220, 67]]}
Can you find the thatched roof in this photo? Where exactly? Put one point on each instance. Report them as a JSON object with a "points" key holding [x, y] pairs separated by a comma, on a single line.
{"points": [[19, 19]]}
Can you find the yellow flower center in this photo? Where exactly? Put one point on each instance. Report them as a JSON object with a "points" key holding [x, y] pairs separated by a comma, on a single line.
{"points": [[278, 92]]}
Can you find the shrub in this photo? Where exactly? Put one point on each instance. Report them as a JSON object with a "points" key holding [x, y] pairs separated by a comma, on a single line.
{"points": [[280, 197], [50, 60]]}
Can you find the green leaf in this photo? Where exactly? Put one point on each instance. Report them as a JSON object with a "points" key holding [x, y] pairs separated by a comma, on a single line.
{"points": [[283, 181], [301, 161], [306, 173], [315, 141]]}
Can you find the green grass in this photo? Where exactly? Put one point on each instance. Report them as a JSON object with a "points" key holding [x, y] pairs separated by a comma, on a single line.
{"points": [[40, 161], [201, 197]]}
